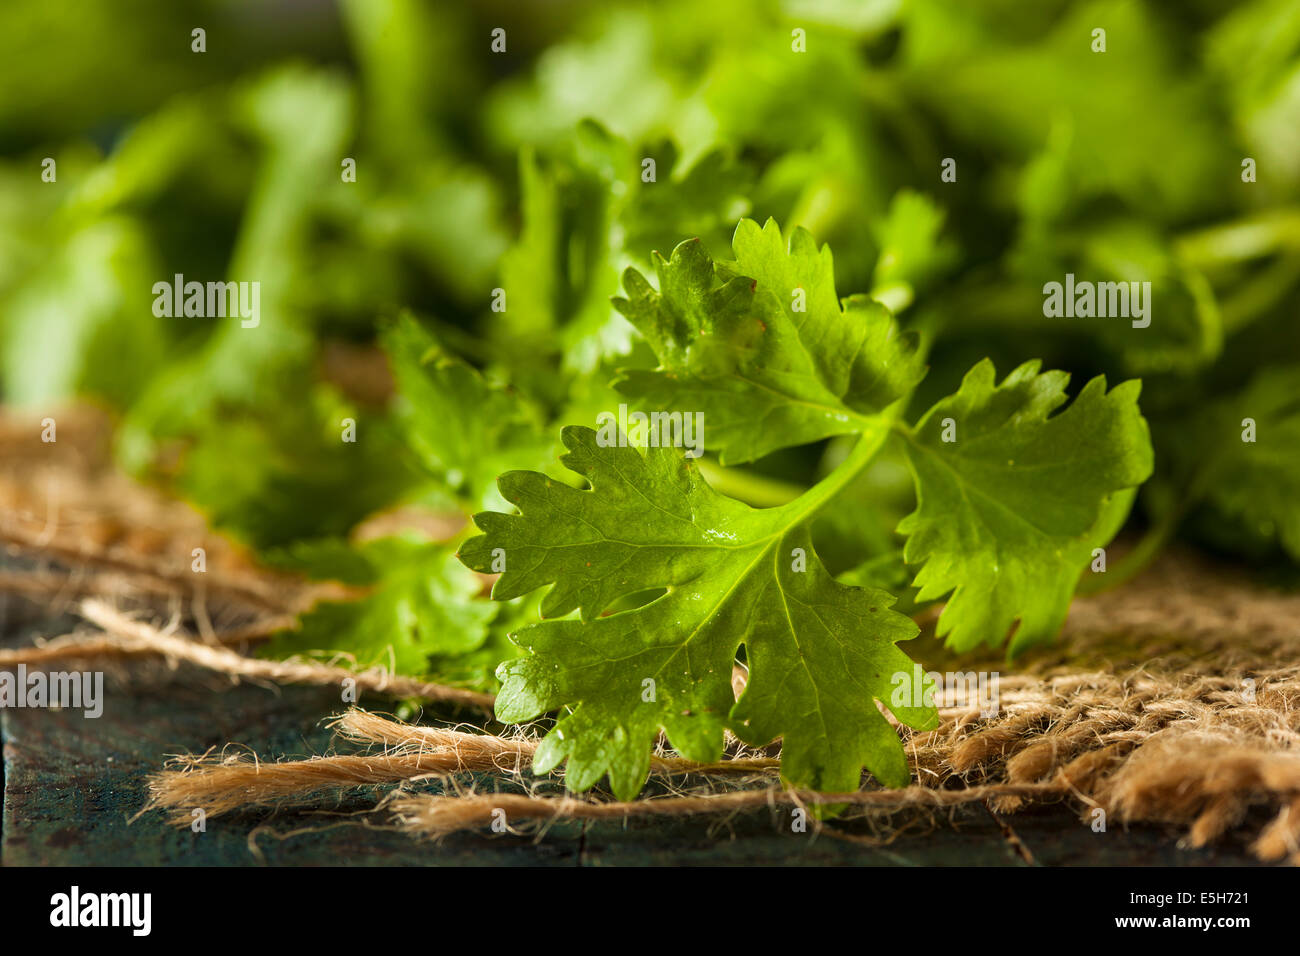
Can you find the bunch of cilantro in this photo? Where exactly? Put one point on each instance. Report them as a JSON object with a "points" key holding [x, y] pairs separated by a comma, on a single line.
{"points": [[590, 219]]}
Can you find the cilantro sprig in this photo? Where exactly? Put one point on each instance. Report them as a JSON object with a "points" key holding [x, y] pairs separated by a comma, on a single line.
{"points": [[1013, 493]]}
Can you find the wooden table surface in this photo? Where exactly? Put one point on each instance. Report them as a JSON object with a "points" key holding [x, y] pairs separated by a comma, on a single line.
{"points": [[72, 786]]}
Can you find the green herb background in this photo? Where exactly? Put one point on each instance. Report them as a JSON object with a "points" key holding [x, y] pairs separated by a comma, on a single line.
{"points": [[522, 171]]}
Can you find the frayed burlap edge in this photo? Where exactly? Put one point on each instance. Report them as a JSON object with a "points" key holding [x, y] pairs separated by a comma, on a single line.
{"points": [[1195, 721]]}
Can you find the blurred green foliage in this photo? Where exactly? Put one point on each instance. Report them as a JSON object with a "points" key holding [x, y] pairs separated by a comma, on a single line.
{"points": [[523, 171]]}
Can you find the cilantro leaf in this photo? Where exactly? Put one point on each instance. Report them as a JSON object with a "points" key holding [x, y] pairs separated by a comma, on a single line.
{"points": [[587, 213], [1009, 509], [460, 426], [287, 474], [300, 118], [820, 653], [762, 345], [704, 199], [1258, 482], [82, 321], [421, 603], [477, 669], [911, 250]]}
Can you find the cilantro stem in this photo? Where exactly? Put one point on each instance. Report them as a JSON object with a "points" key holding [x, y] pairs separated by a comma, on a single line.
{"points": [[1250, 237], [1139, 559], [826, 490]]}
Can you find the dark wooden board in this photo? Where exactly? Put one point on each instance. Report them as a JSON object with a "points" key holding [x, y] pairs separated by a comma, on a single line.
{"points": [[72, 786]]}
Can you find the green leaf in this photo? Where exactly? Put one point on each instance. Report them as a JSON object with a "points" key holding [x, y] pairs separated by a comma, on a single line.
{"points": [[887, 571], [1186, 331], [300, 119], [1010, 509], [703, 200], [613, 79], [911, 250], [477, 669], [421, 603], [762, 346], [82, 322], [462, 427], [1257, 483], [323, 559], [287, 474], [561, 272], [1254, 50], [1003, 82], [588, 212], [820, 654]]}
